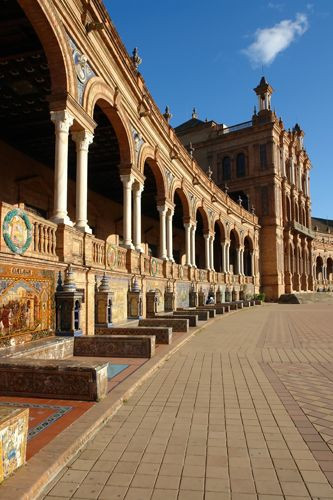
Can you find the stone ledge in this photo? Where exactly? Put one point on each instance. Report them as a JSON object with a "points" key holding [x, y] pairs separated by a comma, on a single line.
{"points": [[177, 325], [163, 334], [115, 346], [60, 379]]}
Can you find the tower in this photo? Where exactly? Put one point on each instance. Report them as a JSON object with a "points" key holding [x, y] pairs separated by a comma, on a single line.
{"points": [[264, 92]]}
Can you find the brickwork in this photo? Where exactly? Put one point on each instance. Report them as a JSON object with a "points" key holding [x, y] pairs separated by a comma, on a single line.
{"points": [[241, 412]]}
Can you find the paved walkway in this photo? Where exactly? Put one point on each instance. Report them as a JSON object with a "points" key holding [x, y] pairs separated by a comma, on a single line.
{"points": [[243, 411]]}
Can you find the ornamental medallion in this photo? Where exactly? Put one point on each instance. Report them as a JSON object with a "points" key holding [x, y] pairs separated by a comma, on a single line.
{"points": [[17, 231]]}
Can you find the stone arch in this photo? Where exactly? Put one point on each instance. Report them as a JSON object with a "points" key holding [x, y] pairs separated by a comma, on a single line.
{"points": [[177, 188], [204, 216], [236, 234], [148, 155], [98, 92], [51, 33], [222, 227]]}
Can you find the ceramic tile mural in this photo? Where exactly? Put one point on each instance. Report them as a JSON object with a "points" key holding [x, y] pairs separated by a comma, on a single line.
{"points": [[13, 439], [158, 285], [26, 302], [182, 294]]}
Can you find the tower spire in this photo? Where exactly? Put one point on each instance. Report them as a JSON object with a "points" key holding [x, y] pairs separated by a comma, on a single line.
{"points": [[264, 92]]}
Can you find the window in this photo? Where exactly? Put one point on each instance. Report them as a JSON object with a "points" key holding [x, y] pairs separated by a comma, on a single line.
{"points": [[240, 165], [226, 168], [263, 156]]}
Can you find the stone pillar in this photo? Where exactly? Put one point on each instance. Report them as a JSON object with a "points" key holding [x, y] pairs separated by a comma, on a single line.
{"points": [[207, 251], [193, 229], [238, 253], [211, 252], [223, 251], [163, 250], [252, 264], [62, 120], [169, 216], [83, 139], [241, 270], [187, 227], [137, 192], [127, 181], [227, 257]]}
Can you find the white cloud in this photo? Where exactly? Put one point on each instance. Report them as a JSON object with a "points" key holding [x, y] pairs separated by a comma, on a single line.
{"points": [[269, 42]]}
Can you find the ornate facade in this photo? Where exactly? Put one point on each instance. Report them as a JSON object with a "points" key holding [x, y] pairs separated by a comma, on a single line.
{"points": [[94, 176], [266, 168]]}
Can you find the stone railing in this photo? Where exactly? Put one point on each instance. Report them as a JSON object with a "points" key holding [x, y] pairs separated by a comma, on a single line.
{"points": [[98, 253], [26, 233]]}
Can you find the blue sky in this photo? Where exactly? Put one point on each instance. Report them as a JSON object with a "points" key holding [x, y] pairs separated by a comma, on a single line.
{"points": [[208, 54]]}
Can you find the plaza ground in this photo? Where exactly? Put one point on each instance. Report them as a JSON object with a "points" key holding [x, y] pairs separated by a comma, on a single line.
{"points": [[244, 410]]}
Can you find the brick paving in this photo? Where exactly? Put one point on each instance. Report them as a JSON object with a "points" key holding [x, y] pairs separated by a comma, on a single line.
{"points": [[243, 411]]}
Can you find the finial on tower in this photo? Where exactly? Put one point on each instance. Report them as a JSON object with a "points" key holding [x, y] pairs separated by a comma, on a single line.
{"points": [[167, 115], [194, 113], [264, 92]]}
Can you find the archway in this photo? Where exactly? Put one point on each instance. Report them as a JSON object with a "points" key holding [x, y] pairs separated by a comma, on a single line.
{"points": [[149, 211], [218, 250], [330, 269], [247, 258], [199, 239], [181, 214], [233, 252], [319, 268]]}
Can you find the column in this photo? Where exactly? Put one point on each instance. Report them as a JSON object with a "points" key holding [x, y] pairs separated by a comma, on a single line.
{"points": [[207, 251], [223, 263], [170, 214], [227, 257], [163, 250], [252, 264], [241, 261], [137, 192], [187, 227], [62, 120], [83, 139], [127, 181], [238, 253], [211, 252], [193, 229]]}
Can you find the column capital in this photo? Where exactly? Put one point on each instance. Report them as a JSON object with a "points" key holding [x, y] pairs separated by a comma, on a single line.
{"points": [[162, 209], [63, 120], [83, 139], [138, 187], [127, 179]]}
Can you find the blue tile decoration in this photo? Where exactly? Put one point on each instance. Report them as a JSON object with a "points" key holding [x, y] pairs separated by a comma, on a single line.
{"points": [[59, 411], [114, 369]]}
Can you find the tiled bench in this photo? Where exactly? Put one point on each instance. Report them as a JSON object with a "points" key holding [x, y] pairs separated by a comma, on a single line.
{"points": [[13, 439], [59, 379], [177, 324], [192, 318], [211, 311], [163, 334], [202, 315], [116, 346]]}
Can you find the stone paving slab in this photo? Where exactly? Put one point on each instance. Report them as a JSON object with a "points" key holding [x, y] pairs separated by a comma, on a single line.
{"points": [[243, 411]]}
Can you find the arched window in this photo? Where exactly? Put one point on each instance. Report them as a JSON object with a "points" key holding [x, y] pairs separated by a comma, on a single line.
{"points": [[240, 165], [226, 168]]}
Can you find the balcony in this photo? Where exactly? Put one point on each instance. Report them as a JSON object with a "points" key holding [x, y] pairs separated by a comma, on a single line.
{"points": [[296, 226]]}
